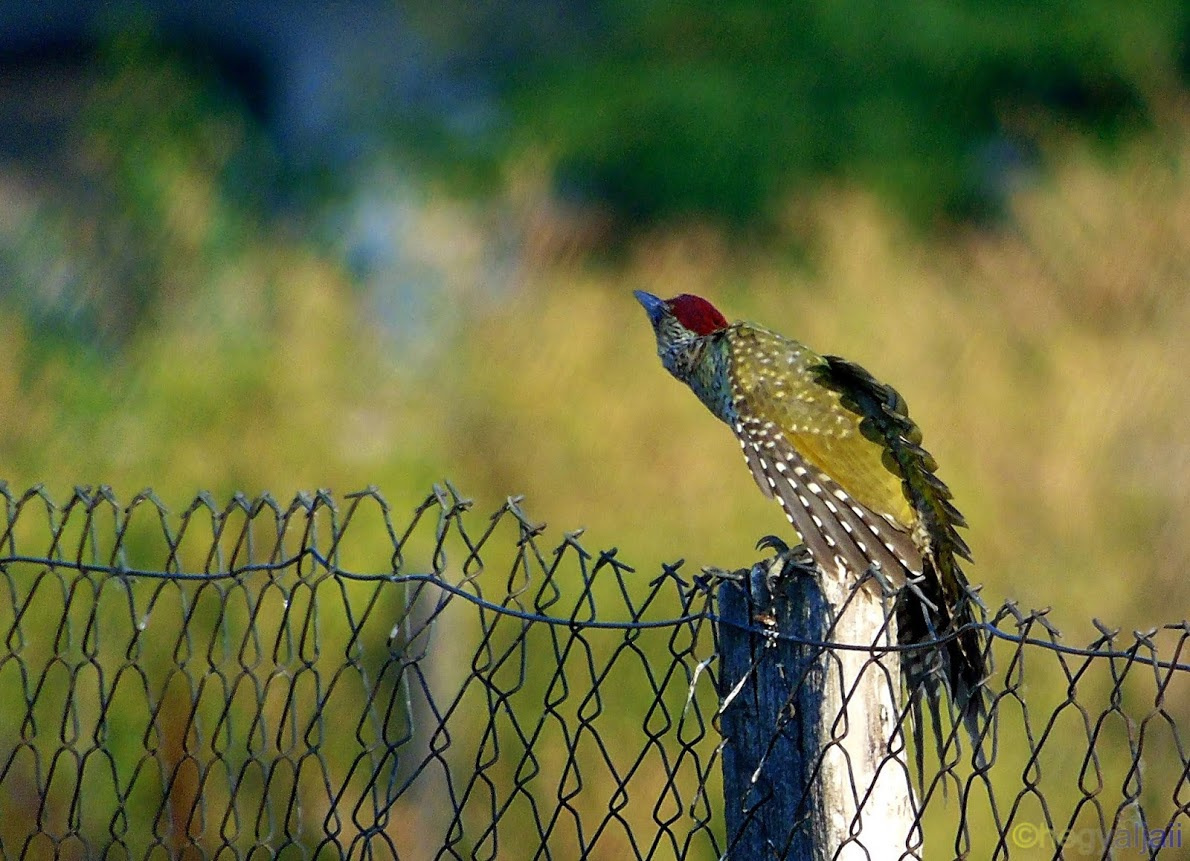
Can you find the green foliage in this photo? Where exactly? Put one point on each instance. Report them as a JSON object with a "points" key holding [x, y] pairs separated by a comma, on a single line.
{"points": [[687, 107], [161, 331]]}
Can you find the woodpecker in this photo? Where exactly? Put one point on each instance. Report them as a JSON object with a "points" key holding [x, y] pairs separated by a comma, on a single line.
{"points": [[838, 451]]}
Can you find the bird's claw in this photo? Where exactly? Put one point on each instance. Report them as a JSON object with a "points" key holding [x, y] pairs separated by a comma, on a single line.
{"points": [[774, 543], [789, 561]]}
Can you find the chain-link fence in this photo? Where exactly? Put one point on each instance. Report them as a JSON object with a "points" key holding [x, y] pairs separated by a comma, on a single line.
{"points": [[325, 679]]}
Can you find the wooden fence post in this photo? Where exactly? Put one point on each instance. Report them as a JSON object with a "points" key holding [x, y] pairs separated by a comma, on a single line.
{"points": [[814, 760]]}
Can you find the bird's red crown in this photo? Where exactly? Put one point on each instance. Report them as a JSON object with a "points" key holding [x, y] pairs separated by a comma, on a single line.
{"points": [[696, 314]]}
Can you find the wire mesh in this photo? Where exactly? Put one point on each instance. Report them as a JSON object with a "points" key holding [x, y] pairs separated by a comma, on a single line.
{"points": [[320, 679]]}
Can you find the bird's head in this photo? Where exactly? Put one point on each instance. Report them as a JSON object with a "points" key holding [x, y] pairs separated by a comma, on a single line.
{"points": [[682, 326]]}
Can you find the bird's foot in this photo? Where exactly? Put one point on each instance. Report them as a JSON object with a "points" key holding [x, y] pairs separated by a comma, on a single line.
{"points": [[789, 561]]}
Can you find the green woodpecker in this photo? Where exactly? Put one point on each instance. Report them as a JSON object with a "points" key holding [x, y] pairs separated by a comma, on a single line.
{"points": [[838, 451]]}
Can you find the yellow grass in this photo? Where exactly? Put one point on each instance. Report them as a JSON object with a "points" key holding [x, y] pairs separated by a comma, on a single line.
{"points": [[1046, 362]]}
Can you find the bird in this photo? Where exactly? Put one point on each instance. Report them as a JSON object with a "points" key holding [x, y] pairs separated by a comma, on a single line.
{"points": [[837, 449]]}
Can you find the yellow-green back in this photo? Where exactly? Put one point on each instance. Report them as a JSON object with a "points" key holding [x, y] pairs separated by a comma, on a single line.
{"points": [[776, 377]]}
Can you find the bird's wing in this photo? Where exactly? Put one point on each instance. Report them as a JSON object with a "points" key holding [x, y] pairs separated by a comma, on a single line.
{"points": [[839, 531], [808, 449], [782, 380]]}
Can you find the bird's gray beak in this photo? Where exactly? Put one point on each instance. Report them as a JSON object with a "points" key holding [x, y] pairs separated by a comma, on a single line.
{"points": [[653, 306]]}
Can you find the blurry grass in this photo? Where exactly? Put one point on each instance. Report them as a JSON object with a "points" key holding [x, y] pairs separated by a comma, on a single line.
{"points": [[1046, 364]]}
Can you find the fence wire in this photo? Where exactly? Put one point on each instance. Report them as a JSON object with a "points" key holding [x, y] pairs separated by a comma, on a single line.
{"points": [[321, 679]]}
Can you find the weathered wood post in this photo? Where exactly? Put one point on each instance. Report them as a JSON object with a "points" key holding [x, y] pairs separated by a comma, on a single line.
{"points": [[814, 759]]}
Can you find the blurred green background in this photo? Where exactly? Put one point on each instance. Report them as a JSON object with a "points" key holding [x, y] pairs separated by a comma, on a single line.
{"points": [[278, 249]]}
